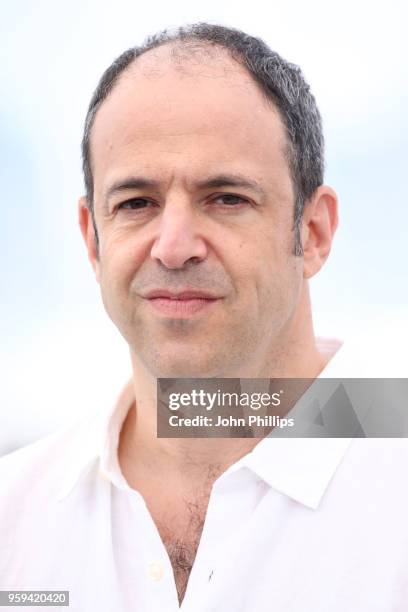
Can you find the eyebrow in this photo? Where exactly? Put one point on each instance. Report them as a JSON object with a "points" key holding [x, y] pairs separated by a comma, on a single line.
{"points": [[230, 180], [213, 182]]}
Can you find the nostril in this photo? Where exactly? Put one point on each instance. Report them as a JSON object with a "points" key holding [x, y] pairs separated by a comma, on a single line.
{"points": [[195, 260]]}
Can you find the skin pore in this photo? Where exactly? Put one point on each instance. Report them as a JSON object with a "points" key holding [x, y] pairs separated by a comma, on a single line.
{"points": [[192, 190]]}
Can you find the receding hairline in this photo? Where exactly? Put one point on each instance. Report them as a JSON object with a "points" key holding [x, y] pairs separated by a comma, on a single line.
{"points": [[173, 51], [198, 52], [150, 62]]}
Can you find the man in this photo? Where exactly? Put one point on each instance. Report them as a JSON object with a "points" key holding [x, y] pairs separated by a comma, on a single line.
{"points": [[205, 215]]}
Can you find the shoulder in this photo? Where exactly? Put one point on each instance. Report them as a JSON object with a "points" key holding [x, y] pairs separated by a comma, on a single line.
{"points": [[33, 524], [39, 467], [378, 348], [372, 479]]}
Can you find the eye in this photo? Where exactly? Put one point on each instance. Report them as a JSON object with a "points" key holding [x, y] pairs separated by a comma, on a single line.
{"points": [[134, 204], [230, 199]]}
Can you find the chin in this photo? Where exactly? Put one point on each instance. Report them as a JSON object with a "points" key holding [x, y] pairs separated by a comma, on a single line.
{"points": [[173, 365], [183, 370]]}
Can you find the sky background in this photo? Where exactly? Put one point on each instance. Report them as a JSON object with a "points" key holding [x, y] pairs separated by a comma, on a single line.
{"points": [[60, 355]]}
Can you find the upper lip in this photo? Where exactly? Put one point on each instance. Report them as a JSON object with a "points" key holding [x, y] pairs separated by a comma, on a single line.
{"points": [[180, 295]]}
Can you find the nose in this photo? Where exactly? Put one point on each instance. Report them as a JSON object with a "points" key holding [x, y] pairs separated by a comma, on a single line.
{"points": [[179, 239]]}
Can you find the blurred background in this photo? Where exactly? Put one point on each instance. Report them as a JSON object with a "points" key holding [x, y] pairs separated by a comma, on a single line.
{"points": [[60, 355]]}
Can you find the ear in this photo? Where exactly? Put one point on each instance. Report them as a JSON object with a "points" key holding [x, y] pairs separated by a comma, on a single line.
{"points": [[319, 223], [88, 234]]}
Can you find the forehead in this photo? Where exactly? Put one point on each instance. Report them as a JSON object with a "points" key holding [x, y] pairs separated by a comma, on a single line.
{"points": [[189, 109]]}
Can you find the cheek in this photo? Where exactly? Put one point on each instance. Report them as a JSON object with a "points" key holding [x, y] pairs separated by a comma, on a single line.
{"points": [[277, 280], [119, 261]]}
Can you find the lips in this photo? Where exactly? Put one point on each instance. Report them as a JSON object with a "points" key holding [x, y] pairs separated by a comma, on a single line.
{"points": [[183, 295], [181, 304]]}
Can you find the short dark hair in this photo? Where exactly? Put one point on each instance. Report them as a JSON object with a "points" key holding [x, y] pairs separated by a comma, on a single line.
{"points": [[280, 81]]}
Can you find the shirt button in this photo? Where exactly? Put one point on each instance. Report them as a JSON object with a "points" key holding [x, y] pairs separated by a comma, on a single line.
{"points": [[156, 571], [105, 475]]}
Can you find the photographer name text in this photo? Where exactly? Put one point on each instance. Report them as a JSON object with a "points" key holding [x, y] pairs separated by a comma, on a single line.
{"points": [[230, 421]]}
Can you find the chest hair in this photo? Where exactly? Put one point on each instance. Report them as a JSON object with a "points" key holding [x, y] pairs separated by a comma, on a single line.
{"points": [[181, 537]]}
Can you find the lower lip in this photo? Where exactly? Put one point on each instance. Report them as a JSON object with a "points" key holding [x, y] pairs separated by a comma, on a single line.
{"points": [[181, 307]]}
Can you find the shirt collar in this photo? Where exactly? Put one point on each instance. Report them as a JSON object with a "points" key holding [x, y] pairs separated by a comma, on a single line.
{"points": [[298, 467], [301, 468], [96, 443]]}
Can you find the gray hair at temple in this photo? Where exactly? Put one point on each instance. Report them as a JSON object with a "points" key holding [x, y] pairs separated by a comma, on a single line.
{"points": [[281, 82]]}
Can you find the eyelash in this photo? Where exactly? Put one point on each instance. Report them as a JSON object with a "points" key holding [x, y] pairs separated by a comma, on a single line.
{"points": [[146, 201]]}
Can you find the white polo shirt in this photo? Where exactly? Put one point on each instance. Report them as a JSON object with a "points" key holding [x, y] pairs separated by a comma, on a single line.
{"points": [[297, 525]]}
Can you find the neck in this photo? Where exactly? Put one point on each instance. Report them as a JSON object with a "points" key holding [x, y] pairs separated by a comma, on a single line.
{"points": [[295, 356]]}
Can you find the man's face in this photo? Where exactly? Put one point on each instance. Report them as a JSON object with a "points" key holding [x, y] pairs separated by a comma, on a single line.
{"points": [[168, 147]]}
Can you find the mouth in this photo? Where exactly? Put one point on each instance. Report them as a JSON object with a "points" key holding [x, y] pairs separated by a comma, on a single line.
{"points": [[183, 304]]}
